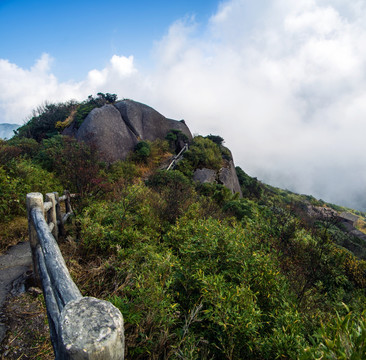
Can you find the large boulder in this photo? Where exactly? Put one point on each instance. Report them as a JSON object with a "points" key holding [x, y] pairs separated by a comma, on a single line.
{"points": [[225, 176], [205, 175], [105, 129], [146, 123], [229, 178], [116, 129]]}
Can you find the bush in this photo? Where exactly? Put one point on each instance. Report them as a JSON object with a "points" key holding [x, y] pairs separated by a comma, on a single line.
{"points": [[21, 178], [80, 171], [219, 193], [247, 308], [343, 338], [106, 225], [176, 191], [9, 197], [82, 112], [239, 208], [49, 151], [250, 187], [142, 151], [43, 122], [176, 139], [203, 153], [216, 139]]}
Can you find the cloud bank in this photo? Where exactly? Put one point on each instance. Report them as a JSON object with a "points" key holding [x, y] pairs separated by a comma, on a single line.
{"points": [[283, 82]]}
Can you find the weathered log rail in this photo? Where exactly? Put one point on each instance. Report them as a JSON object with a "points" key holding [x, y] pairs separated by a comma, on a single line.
{"points": [[80, 327], [177, 158]]}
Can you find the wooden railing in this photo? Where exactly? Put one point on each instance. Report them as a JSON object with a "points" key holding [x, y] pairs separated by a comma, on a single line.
{"points": [[80, 327], [178, 157]]}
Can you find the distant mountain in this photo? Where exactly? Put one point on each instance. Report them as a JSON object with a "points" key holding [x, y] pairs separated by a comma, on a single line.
{"points": [[6, 130]]}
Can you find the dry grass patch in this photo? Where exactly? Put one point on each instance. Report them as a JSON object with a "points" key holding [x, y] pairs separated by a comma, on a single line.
{"points": [[28, 335]]}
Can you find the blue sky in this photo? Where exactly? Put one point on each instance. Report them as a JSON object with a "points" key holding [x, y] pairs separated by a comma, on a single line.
{"points": [[282, 81], [85, 34]]}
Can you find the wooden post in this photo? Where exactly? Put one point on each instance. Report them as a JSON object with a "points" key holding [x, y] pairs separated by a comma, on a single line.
{"points": [[67, 202], [61, 228], [34, 200], [91, 329], [51, 214]]}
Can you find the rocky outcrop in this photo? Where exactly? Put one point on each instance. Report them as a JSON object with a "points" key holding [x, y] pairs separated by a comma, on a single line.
{"points": [[225, 176], [228, 178], [205, 175], [116, 129], [146, 123], [105, 129]]}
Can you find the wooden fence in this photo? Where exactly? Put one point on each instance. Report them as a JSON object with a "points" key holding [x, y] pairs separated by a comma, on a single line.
{"points": [[80, 327], [177, 158]]}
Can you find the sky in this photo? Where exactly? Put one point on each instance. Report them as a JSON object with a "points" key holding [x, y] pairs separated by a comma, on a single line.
{"points": [[282, 81]]}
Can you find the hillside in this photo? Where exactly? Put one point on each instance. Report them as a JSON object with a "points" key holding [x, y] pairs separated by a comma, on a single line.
{"points": [[198, 270]]}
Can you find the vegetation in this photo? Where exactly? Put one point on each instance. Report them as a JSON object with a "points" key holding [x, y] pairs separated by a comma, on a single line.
{"points": [[51, 119], [197, 272]]}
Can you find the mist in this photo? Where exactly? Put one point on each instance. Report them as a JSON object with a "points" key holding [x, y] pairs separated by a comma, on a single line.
{"points": [[282, 82]]}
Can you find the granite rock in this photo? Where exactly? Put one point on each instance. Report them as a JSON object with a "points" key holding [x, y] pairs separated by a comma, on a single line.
{"points": [[116, 129]]}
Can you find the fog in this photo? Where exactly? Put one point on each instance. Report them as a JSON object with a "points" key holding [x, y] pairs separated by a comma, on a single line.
{"points": [[282, 82]]}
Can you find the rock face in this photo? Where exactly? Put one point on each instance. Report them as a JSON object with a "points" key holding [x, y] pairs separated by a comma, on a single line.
{"points": [[116, 129], [225, 176], [228, 178], [146, 123], [105, 129], [205, 175]]}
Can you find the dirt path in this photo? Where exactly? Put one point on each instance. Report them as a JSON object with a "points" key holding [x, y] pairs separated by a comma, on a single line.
{"points": [[14, 264]]}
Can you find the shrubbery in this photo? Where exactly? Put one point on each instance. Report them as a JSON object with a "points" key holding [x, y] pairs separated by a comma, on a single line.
{"points": [[197, 272], [202, 153]]}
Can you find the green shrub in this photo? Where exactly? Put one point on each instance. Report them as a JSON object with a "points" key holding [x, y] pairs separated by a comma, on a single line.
{"points": [[43, 122], [239, 208], [49, 151], [215, 138], [240, 287], [21, 178], [9, 197], [219, 193], [250, 187], [342, 338], [142, 151], [29, 147], [176, 139], [203, 153], [107, 225], [176, 191], [82, 112]]}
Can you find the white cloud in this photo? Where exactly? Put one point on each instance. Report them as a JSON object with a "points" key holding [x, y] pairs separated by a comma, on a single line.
{"points": [[287, 93], [282, 81], [22, 90]]}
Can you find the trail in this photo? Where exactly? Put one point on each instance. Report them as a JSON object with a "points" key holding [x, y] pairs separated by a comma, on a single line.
{"points": [[15, 265]]}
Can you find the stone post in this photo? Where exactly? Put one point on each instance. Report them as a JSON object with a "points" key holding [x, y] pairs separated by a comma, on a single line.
{"points": [[67, 201]]}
